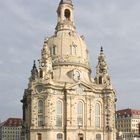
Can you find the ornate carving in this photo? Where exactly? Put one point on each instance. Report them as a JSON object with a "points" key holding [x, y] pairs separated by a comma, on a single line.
{"points": [[45, 63], [70, 60], [102, 76]]}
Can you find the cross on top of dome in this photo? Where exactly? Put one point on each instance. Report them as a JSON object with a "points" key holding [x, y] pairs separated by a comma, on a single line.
{"points": [[66, 2]]}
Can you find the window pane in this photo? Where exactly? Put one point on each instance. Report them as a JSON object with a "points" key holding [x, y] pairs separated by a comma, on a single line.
{"points": [[40, 120], [80, 114], [98, 137], [59, 136], [59, 114], [97, 115], [80, 121], [40, 106], [80, 108], [97, 109], [59, 107], [59, 120], [97, 122]]}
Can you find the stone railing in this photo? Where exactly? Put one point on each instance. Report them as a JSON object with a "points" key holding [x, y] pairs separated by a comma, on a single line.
{"points": [[70, 60]]}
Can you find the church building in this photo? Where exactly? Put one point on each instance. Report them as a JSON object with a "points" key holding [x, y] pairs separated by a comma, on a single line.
{"points": [[63, 101]]}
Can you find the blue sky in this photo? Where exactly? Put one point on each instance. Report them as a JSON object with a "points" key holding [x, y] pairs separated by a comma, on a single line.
{"points": [[113, 24]]}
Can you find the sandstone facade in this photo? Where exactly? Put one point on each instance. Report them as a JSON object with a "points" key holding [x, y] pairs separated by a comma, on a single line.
{"points": [[63, 101]]}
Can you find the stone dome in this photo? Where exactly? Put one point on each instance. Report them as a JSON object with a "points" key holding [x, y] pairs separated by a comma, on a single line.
{"points": [[68, 51], [68, 48]]}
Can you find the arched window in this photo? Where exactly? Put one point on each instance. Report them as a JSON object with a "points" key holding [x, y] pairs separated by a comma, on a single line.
{"points": [[40, 113], [53, 50], [97, 115], [80, 136], [98, 136], [59, 136], [39, 136], [40, 106], [59, 113], [80, 114], [73, 49], [67, 14]]}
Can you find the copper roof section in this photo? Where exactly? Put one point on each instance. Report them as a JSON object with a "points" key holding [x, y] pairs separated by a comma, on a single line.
{"points": [[128, 112], [13, 122]]}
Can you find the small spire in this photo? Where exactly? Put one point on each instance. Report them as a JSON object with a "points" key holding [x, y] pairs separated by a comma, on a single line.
{"points": [[34, 65], [102, 76], [34, 71]]}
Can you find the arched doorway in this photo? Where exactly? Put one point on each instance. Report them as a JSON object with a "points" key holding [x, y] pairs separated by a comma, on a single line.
{"points": [[80, 136], [39, 136]]}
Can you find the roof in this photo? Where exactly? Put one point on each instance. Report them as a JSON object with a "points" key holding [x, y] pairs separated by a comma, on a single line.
{"points": [[66, 2], [128, 112], [12, 122]]}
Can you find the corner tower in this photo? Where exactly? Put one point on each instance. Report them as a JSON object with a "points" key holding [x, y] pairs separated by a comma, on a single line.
{"points": [[62, 100]]}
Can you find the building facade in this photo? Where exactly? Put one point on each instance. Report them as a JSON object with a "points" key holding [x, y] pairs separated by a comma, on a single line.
{"points": [[11, 129], [128, 123], [62, 100]]}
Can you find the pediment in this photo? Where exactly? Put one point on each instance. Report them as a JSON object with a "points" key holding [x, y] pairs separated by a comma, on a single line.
{"points": [[84, 86]]}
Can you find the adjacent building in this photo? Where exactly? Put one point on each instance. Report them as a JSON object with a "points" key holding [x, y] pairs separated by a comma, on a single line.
{"points": [[63, 101], [128, 123], [11, 129]]}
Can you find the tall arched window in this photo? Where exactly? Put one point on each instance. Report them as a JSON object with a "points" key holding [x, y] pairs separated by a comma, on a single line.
{"points": [[40, 106], [40, 113], [97, 115], [98, 136], [59, 113], [59, 136], [80, 114]]}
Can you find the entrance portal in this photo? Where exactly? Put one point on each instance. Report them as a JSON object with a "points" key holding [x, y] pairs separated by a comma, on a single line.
{"points": [[80, 137]]}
